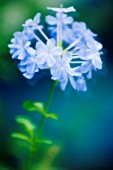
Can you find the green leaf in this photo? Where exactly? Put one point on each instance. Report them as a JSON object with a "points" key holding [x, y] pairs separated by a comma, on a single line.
{"points": [[20, 136], [46, 141], [27, 124], [52, 115], [34, 106]]}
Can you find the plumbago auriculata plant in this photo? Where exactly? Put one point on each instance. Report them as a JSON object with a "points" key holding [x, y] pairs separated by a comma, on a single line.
{"points": [[71, 52]]}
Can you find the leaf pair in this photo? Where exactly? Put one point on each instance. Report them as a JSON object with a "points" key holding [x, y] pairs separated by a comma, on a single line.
{"points": [[38, 106], [28, 126]]}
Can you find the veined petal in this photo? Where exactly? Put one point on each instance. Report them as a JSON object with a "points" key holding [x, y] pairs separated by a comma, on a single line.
{"points": [[89, 75], [27, 44], [41, 59], [56, 51], [85, 67], [40, 45], [51, 20], [63, 75], [51, 43], [50, 61], [96, 61], [31, 51], [15, 54], [68, 20], [37, 17], [21, 55], [30, 69], [63, 84], [14, 46], [72, 81]]}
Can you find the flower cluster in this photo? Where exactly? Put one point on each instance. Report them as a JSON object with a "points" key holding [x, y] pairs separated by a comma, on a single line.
{"points": [[70, 53]]}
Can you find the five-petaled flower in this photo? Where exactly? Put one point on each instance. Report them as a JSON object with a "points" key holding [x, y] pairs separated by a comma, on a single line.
{"points": [[63, 72], [19, 46], [46, 53]]}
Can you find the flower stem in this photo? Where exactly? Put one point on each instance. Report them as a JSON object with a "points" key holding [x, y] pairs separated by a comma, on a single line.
{"points": [[46, 109], [41, 125]]}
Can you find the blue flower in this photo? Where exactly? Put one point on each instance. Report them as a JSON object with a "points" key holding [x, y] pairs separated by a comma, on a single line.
{"points": [[80, 29], [92, 59], [53, 21], [63, 20], [19, 45], [33, 23], [46, 53], [62, 71], [65, 10], [29, 65], [81, 84], [81, 34]]}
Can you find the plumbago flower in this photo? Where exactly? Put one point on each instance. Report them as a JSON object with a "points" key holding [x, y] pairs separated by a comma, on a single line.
{"points": [[19, 46], [46, 53], [66, 64], [62, 71]]}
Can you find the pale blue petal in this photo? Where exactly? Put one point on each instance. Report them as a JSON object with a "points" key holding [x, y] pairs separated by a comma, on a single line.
{"points": [[81, 84], [72, 81], [96, 61], [50, 61], [85, 67], [68, 20], [30, 68], [37, 17], [63, 84], [51, 43], [28, 76], [51, 20], [89, 75], [31, 51]]}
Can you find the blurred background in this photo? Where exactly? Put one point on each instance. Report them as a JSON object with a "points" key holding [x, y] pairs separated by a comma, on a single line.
{"points": [[83, 135]]}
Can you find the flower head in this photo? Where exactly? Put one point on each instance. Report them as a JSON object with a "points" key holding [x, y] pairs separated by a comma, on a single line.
{"points": [[70, 52]]}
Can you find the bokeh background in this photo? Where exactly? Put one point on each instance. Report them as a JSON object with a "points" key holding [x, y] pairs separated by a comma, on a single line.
{"points": [[83, 135]]}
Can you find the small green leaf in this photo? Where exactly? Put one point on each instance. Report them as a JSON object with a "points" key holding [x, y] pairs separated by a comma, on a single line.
{"points": [[45, 141], [29, 106], [20, 136], [34, 106], [27, 124], [52, 115], [39, 105]]}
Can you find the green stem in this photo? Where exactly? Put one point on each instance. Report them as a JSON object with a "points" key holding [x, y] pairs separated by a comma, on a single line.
{"points": [[46, 109], [29, 161], [41, 124]]}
